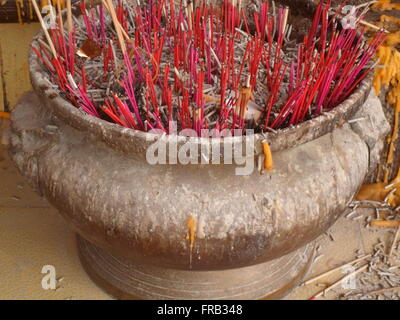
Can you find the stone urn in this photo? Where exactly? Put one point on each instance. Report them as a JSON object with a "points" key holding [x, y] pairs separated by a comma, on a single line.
{"points": [[196, 231]]}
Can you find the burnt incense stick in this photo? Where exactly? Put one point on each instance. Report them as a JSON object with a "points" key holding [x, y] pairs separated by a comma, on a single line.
{"points": [[60, 18], [332, 271], [69, 17], [110, 7], [44, 28], [342, 280], [125, 35]]}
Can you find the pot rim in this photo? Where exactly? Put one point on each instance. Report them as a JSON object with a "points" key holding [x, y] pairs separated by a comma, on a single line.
{"points": [[112, 133]]}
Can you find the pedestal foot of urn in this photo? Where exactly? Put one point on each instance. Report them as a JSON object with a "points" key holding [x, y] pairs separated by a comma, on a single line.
{"points": [[126, 279]]}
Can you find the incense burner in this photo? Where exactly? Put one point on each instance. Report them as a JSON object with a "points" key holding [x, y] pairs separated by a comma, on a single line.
{"points": [[198, 231]]}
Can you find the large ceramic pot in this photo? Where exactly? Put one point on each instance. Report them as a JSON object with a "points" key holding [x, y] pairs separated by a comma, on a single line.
{"points": [[194, 231]]}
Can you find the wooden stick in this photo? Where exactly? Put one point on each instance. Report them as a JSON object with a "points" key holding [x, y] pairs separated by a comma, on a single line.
{"points": [[69, 17], [60, 16], [385, 224], [322, 275], [323, 292], [372, 26], [44, 44], [110, 7], [119, 24], [46, 32], [285, 20]]}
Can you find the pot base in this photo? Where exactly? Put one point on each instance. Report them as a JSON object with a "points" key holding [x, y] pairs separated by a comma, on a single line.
{"points": [[126, 279]]}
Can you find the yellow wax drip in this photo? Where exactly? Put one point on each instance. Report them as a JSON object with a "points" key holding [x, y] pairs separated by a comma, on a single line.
{"points": [[388, 75], [53, 3], [30, 9], [192, 228], [386, 5], [384, 18], [20, 5], [5, 115], [268, 161]]}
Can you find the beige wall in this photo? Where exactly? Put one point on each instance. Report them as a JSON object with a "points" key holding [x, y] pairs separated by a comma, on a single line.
{"points": [[14, 76]]}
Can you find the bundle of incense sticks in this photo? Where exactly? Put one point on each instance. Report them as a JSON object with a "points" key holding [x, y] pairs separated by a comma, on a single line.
{"points": [[203, 66]]}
